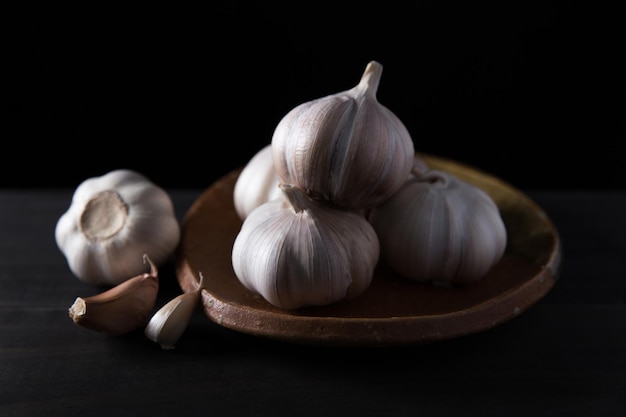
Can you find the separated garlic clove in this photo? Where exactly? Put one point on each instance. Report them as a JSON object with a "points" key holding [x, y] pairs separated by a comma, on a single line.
{"points": [[257, 183], [295, 252], [437, 228], [111, 222], [169, 323], [345, 148], [121, 309]]}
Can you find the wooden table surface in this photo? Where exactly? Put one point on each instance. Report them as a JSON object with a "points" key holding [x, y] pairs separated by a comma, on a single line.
{"points": [[564, 356]]}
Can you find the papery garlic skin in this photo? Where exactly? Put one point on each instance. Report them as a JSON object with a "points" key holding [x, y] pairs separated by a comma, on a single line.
{"points": [[438, 228], [112, 221], [345, 148], [257, 183], [298, 253]]}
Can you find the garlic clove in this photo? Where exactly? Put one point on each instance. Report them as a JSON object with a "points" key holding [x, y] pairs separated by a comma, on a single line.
{"points": [[121, 309], [346, 148], [169, 323], [437, 228]]}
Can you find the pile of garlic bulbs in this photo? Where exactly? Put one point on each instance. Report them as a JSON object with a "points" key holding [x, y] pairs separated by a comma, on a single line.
{"points": [[339, 187]]}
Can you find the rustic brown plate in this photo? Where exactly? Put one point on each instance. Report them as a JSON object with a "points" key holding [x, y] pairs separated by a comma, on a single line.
{"points": [[393, 311]]}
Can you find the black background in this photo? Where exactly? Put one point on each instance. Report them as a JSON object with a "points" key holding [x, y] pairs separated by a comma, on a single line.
{"points": [[533, 93]]}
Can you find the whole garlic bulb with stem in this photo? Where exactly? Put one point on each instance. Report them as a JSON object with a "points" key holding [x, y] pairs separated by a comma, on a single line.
{"points": [[345, 148], [257, 183], [295, 252], [112, 221], [438, 228]]}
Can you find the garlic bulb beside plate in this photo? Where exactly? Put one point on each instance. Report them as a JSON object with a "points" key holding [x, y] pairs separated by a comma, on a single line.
{"points": [[112, 222]]}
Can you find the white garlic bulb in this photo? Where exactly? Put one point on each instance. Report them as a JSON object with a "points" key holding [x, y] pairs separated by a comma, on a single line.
{"points": [[437, 228], [257, 183], [113, 220], [296, 253], [345, 148]]}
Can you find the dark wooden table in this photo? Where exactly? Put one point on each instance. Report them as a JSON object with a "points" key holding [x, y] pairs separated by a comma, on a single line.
{"points": [[564, 356]]}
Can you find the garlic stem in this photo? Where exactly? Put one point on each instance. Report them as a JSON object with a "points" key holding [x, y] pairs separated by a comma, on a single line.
{"points": [[433, 177], [297, 199], [370, 79]]}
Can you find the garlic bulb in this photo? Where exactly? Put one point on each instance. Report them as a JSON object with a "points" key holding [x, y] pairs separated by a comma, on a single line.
{"points": [[257, 183], [438, 228], [345, 148], [112, 221], [295, 252], [121, 309], [169, 323]]}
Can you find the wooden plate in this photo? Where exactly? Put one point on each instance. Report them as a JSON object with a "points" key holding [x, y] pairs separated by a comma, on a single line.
{"points": [[393, 311]]}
